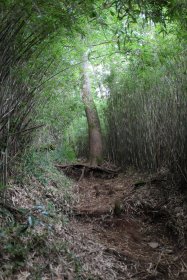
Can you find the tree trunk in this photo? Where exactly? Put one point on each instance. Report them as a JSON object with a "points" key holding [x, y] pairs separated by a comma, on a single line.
{"points": [[95, 138]]}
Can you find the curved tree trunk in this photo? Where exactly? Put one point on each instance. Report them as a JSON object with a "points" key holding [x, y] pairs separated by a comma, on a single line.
{"points": [[95, 137]]}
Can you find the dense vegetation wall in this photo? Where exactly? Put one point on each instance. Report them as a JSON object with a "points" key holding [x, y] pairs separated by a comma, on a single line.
{"points": [[146, 115]]}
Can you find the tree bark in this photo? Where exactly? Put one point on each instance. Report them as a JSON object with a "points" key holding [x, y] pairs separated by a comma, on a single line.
{"points": [[94, 128]]}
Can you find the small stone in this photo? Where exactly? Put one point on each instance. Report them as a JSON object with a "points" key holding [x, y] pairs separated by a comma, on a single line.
{"points": [[153, 245]]}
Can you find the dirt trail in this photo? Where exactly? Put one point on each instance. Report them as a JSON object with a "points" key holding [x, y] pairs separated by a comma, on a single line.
{"points": [[144, 248]]}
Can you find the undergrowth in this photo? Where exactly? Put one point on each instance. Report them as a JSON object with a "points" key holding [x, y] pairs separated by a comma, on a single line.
{"points": [[32, 232], [41, 165]]}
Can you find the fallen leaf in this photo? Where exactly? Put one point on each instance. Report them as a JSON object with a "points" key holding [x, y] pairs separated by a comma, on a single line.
{"points": [[153, 245]]}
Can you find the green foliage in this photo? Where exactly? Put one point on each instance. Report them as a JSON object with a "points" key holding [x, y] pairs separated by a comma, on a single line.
{"points": [[27, 59], [146, 109], [2, 187], [77, 136], [64, 153], [41, 165], [158, 11], [48, 39]]}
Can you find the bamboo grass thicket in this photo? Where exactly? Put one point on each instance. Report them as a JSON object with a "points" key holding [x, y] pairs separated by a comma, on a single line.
{"points": [[19, 82], [15, 98], [146, 118]]}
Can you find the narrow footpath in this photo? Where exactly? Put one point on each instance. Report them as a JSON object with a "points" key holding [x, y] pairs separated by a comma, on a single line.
{"points": [[110, 213]]}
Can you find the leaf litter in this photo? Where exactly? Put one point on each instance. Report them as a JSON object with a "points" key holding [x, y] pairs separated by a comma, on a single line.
{"points": [[77, 234]]}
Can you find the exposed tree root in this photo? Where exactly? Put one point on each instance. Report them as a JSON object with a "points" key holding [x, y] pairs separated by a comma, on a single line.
{"points": [[79, 170]]}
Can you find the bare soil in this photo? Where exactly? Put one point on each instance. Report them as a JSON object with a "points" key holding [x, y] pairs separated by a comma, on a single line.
{"points": [[107, 212]]}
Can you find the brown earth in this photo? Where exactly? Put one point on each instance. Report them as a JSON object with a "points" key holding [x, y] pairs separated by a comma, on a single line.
{"points": [[107, 212], [131, 227]]}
